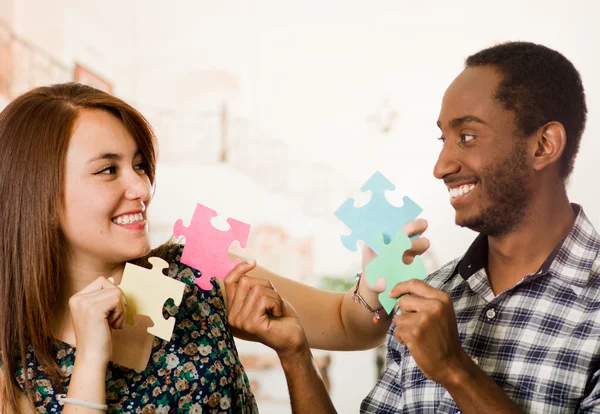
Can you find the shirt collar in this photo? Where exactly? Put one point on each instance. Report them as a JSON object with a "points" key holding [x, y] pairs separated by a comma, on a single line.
{"points": [[571, 260], [475, 258]]}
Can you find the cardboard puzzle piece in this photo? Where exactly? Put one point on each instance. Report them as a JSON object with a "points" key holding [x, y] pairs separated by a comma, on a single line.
{"points": [[378, 216], [206, 248], [146, 291], [389, 266], [132, 345]]}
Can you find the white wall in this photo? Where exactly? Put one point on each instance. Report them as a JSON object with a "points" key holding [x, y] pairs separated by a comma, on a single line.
{"points": [[312, 73], [6, 11], [98, 35]]}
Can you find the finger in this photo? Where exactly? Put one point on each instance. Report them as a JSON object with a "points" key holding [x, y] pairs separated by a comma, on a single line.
{"points": [[98, 284], [116, 317], [415, 303], [108, 302], [260, 304], [398, 334], [252, 303], [418, 246], [258, 293], [241, 290], [95, 297], [367, 255], [415, 228], [112, 280], [259, 320], [287, 310], [417, 287], [235, 275], [403, 328], [119, 323], [379, 285]]}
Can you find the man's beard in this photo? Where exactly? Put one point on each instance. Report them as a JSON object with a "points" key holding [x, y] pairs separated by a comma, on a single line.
{"points": [[508, 192]]}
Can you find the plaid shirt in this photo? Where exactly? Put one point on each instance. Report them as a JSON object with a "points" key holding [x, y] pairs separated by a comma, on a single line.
{"points": [[539, 340]]}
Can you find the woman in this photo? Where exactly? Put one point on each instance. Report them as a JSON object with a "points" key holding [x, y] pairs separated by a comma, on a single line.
{"points": [[76, 172]]}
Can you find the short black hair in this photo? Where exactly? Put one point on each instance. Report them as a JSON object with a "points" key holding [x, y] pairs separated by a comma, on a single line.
{"points": [[539, 85]]}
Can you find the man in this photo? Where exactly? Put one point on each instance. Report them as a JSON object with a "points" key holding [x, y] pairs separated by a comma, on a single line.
{"points": [[513, 325], [515, 321]]}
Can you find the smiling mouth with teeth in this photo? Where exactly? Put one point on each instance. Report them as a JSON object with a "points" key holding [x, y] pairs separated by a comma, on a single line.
{"points": [[461, 191], [129, 219]]}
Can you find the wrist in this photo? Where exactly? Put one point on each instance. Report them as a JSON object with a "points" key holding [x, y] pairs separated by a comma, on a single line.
{"points": [[90, 361], [295, 355], [362, 287], [365, 296], [460, 373], [88, 384]]}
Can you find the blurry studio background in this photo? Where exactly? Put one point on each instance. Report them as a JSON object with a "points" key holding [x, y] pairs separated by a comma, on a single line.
{"points": [[274, 112]]}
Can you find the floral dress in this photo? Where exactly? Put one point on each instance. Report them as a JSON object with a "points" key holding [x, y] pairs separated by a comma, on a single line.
{"points": [[198, 371]]}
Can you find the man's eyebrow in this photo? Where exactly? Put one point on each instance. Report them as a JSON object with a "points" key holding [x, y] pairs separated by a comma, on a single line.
{"points": [[456, 122]]}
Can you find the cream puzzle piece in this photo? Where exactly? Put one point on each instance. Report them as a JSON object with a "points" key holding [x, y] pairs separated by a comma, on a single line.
{"points": [[146, 291]]}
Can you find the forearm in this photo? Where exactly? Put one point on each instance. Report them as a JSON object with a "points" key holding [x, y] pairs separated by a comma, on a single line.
{"points": [[306, 388], [331, 320], [87, 384], [475, 392]]}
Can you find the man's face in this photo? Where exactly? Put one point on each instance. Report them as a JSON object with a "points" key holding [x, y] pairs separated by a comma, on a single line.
{"points": [[484, 161]]}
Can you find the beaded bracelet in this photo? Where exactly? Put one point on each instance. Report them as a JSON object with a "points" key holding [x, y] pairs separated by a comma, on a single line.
{"points": [[357, 298], [73, 401]]}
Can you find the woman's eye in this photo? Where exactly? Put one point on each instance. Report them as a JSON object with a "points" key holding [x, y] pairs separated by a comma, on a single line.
{"points": [[142, 166], [442, 140], [466, 137], [108, 170]]}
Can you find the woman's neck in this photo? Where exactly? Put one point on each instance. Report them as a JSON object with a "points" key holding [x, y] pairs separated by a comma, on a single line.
{"points": [[81, 275], [78, 276]]}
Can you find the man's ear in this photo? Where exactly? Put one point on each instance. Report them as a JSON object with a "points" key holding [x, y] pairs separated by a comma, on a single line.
{"points": [[550, 143]]}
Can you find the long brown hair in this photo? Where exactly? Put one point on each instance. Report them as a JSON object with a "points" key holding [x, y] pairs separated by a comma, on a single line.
{"points": [[35, 130]]}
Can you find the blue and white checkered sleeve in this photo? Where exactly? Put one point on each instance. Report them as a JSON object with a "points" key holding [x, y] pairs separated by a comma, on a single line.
{"points": [[591, 402]]}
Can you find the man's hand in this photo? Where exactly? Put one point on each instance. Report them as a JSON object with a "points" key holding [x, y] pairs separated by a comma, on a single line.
{"points": [[256, 309], [419, 245], [427, 327]]}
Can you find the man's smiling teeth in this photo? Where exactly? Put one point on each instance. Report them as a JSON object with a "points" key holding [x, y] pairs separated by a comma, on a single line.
{"points": [[462, 190], [129, 218]]}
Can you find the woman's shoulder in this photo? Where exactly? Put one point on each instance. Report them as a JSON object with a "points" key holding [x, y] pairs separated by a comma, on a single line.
{"points": [[172, 253]]}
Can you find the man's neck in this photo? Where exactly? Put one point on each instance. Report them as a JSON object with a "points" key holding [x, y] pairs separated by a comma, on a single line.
{"points": [[523, 251]]}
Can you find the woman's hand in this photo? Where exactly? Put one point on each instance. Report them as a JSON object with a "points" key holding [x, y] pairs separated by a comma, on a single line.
{"points": [[256, 309], [96, 309]]}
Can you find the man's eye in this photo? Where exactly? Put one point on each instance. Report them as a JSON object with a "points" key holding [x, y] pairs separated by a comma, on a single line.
{"points": [[111, 169], [442, 140], [466, 137]]}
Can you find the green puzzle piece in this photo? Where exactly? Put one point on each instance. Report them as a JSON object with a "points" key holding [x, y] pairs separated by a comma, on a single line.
{"points": [[389, 266]]}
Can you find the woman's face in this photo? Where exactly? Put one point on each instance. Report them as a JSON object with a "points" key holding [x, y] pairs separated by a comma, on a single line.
{"points": [[106, 190]]}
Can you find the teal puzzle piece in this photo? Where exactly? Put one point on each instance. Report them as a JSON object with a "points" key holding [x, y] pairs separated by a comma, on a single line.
{"points": [[378, 216], [389, 266]]}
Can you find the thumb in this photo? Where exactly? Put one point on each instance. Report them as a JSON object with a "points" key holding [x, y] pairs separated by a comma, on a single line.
{"points": [[287, 310], [235, 275], [379, 285], [367, 255]]}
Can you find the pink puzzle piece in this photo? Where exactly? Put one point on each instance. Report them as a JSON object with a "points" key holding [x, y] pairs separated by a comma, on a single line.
{"points": [[206, 248]]}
